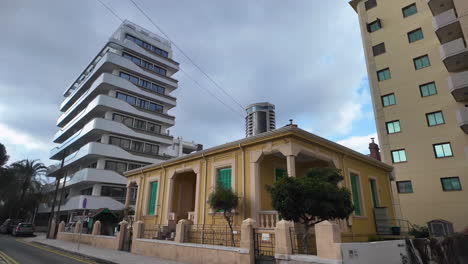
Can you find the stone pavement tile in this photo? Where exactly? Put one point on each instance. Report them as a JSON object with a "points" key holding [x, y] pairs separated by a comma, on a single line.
{"points": [[119, 257]]}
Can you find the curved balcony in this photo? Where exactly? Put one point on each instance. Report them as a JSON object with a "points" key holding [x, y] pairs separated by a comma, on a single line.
{"points": [[92, 203], [94, 150], [462, 117], [439, 6], [109, 62], [89, 175], [98, 126], [102, 85], [99, 106], [454, 54], [447, 27], [458, 86]]}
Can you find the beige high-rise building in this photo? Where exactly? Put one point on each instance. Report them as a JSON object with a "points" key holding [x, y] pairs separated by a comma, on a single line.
{"points": [[417, 62]]}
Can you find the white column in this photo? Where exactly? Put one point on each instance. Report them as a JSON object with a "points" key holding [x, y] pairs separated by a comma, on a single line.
{"points": [[128, 196], [255, 191], [96, 190], [291, 163]]}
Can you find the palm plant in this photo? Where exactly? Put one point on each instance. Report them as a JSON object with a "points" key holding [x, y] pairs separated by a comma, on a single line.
{"points": [[28, 174]]}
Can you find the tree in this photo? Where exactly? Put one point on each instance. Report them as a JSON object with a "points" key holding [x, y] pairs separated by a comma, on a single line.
{"points": [[226, 201], [3, 155], [311, 199], [28, 173]]}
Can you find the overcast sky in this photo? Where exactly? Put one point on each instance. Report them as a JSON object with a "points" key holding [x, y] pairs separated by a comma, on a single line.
{"points": [[304, 56]]}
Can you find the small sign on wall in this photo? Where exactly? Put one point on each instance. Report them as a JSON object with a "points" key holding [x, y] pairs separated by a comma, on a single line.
{"points": [[265, 237]]}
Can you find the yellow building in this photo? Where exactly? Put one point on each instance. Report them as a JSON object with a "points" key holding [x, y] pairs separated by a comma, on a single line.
{"points": [[417, 62], [178, 188]]}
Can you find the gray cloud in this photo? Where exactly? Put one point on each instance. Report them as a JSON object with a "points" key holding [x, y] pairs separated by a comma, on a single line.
{"points": [[304, 56]]}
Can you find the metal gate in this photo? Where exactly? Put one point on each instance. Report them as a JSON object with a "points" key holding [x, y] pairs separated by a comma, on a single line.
{"points": [[264, 246]]}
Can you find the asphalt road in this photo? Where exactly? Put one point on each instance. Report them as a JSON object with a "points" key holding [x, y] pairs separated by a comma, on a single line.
{"points": [[17, 251]]}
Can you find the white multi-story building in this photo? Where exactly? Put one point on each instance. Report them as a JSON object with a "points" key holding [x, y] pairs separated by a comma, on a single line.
{"points": [[115, 118]]}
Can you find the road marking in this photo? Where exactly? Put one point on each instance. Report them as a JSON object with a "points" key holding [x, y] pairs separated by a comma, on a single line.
{"points": [[7, 258], [67, 255]]}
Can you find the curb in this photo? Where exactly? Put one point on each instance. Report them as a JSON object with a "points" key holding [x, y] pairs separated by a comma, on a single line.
{"points": [[100, 261]]}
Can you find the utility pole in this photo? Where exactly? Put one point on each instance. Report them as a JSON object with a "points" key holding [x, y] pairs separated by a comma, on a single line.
{"points": [[52, 214]]}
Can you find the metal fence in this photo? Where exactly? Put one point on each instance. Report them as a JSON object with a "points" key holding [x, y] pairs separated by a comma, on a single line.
{"points": [[153, 231], [264, 245], [214, 235], [297, 242], [397, 227]]}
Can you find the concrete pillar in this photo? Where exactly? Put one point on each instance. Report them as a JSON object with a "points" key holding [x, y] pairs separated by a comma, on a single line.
{"points": [[61, 227], [97, 228], [52, 229], [121, 234], [247, 234], [138, 229], [283, 237], [96, 190], [101, 164], [328, 238], [256, 190], [108, 115], [105, 139], [78, 227], [182, 230], [291, 164], [128, 196]]}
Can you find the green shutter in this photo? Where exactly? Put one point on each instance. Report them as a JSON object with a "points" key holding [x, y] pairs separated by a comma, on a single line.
{"points": [[280, 174], [152, 200], [374, 193], [355, 190], [224, 178]]}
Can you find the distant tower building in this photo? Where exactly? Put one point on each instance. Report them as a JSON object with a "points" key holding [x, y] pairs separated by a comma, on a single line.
{"points": [[260, 118]]}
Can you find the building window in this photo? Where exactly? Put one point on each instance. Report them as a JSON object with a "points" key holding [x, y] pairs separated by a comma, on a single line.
{"points": [[383, 75], [280, 174], [149, 66], [154, 128], [121, 142], [137, 146], [88, 191], [428, 89], [393, 127], [147, 46], [374, 193], [374, 26], [356, 193], [451, 184], [224, 178], [370, 4], [409, 10], [404, 187], [379, 49], [152, 149], [435, 118], [443, 150], [140, 102], [421, 62], [140, 124], [398, 156], [388, 100], [133, 166], [415, 35], [143, 83], [110, 191], [116, 166], [152, 198]]}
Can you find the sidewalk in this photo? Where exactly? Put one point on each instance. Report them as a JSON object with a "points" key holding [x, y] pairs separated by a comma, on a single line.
{"points": [[110, 256]]}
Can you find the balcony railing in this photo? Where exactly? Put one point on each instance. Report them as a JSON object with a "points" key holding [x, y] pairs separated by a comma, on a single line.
{"points": [[454, 54], [447, 26], [439, 6], [462, 117], [267, 219]]}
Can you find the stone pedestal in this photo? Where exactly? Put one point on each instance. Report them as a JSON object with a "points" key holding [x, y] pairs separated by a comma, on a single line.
{"points": [[78, 227], [247, 234], [283, 237], [182, 230], [138, 229], [61, 227], [328, 237], [121, 234], [97, 228]]}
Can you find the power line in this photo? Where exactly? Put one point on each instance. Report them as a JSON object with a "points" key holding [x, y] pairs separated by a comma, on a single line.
{"points": [[186, 56], [110, 10], [188, 76]]}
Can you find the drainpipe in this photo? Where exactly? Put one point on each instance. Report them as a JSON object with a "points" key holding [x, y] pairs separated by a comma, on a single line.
{"points": [[204, 187], [243, 182], [140, 190], [163, 193]]}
